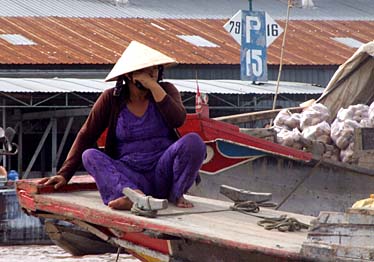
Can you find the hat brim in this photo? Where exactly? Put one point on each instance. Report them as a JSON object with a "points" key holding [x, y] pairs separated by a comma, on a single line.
{"points": [[138, 56]]}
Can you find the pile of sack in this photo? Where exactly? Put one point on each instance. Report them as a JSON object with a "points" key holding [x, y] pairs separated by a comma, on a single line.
{"points": [[314, 124]]}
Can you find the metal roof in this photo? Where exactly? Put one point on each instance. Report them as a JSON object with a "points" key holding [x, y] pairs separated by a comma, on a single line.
{"points": [[68, 85], [244, 87], [102, 40], [180, 9]]}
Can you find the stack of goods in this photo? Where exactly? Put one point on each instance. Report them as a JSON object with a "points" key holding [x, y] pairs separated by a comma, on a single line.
{"points": [[313, 125], [342, 129]]}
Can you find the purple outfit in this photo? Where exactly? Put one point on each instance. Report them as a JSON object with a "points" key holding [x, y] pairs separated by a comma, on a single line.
{"points": [[147, 158]]}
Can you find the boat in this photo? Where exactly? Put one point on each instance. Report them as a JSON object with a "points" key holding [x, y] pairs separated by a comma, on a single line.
{"points": [[210, 231], [341, 236], [16, 228], [302, 182]]}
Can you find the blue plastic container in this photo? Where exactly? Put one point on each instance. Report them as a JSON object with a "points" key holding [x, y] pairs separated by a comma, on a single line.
{"points": [[13, 175]]}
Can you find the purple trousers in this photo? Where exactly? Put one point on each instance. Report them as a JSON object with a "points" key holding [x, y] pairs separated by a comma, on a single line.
{"points": [[173, 174]]}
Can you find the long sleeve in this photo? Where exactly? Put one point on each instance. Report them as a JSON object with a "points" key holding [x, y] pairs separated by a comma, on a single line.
{"points": [[171, 107], [91, 130]]}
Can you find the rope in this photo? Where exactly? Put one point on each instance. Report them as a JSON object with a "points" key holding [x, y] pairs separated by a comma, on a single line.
{"points": [[299, 184], [246, 206], [144, 212], [250, 206], [118, 252], [283, 224], [281, 56]]}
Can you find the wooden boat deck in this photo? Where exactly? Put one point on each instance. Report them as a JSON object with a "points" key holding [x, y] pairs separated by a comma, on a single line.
{"points": [[210, 221]]}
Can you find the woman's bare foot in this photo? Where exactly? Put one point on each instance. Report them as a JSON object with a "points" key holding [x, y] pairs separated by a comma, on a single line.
{"points": [[184, 203], [123, 203]]}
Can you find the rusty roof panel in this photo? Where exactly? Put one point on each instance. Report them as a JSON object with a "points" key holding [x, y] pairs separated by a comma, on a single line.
{"points": [[102, 40]]}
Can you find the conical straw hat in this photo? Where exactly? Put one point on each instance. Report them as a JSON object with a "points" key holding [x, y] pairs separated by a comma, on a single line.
{"points": [[137, 56]]}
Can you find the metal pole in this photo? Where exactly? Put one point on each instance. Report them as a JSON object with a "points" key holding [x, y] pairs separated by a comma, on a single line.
{"points": [[54, 146], [20, 147], [4, 127], [250, 9], [250, 5]]}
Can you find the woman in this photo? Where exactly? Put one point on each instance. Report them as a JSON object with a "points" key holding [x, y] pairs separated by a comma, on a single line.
{"points": [[142, 149]]}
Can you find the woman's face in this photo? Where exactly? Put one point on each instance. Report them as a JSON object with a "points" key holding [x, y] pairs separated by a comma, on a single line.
{"points": [[151, 71]]}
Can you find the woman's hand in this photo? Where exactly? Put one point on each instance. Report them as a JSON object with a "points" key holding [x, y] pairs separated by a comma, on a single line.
{"points": [[144, 78], [148, 78], [58, 181]]}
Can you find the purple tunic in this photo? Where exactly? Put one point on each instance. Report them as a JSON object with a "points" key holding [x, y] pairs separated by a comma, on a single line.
{"points": [[142, 140], [148, 159]]}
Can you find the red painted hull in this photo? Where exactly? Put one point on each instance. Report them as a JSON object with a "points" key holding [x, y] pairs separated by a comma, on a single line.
{"points": [[210, 130]]}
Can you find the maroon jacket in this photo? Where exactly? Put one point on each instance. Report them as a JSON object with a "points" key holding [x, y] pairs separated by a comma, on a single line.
{"points": [[104, 114]]}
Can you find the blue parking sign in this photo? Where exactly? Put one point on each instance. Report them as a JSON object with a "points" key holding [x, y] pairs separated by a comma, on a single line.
{"points": [[253, 57]]}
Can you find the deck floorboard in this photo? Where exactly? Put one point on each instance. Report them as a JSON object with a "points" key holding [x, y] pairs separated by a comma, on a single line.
{"points": [[209, 220]]}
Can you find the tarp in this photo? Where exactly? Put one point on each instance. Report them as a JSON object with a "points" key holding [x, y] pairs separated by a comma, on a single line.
{"points": [[352, 83]]}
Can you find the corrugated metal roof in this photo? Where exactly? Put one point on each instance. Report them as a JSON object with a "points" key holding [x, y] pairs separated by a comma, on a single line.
{"points": [[323, 9], [66, 85], [54, 85], [244, 87], [102, 40]]}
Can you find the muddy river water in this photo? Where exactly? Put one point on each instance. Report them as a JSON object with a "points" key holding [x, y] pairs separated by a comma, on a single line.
{"points": [[50, 253]]}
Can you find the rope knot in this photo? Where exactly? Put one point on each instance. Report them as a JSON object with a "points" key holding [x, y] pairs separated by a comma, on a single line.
{"points": [[246, 206], [145, 212]]}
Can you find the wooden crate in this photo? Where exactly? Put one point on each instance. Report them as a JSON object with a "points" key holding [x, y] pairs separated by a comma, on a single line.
{"points": [[337, 236], [364, 147], [365, 158], [364, 139]]}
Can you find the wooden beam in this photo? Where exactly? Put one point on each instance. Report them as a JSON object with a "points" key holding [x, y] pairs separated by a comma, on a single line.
{"points": [[253, 116]]}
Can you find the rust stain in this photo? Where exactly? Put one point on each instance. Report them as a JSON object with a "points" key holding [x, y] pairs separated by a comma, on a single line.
{"points": [[102, 40]]}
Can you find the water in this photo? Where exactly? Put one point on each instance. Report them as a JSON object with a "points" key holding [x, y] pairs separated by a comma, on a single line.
{"points": [[51, 253], [15, 226]]}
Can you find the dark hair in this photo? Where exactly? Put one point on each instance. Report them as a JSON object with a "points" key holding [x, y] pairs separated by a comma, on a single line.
{"points": [[160, 73]]}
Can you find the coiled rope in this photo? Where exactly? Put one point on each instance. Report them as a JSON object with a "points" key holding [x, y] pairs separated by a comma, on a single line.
{"points": [[282, 223]]}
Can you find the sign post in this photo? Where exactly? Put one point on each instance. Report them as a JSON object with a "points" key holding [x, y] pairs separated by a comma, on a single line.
{"points": [[253, 55], [249, 28]]}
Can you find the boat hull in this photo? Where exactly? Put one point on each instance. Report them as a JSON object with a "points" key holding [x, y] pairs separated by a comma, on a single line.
{"points": [[306, 188], [207, 232]]}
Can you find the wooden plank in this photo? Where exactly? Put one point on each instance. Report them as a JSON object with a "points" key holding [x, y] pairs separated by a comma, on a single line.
{"points": [[254, 116], [352, 235], [365, 158], [362, 211], [336, 236], [84, 182], [336, 253], [353, 216], [357, 139], [205, 222]]}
